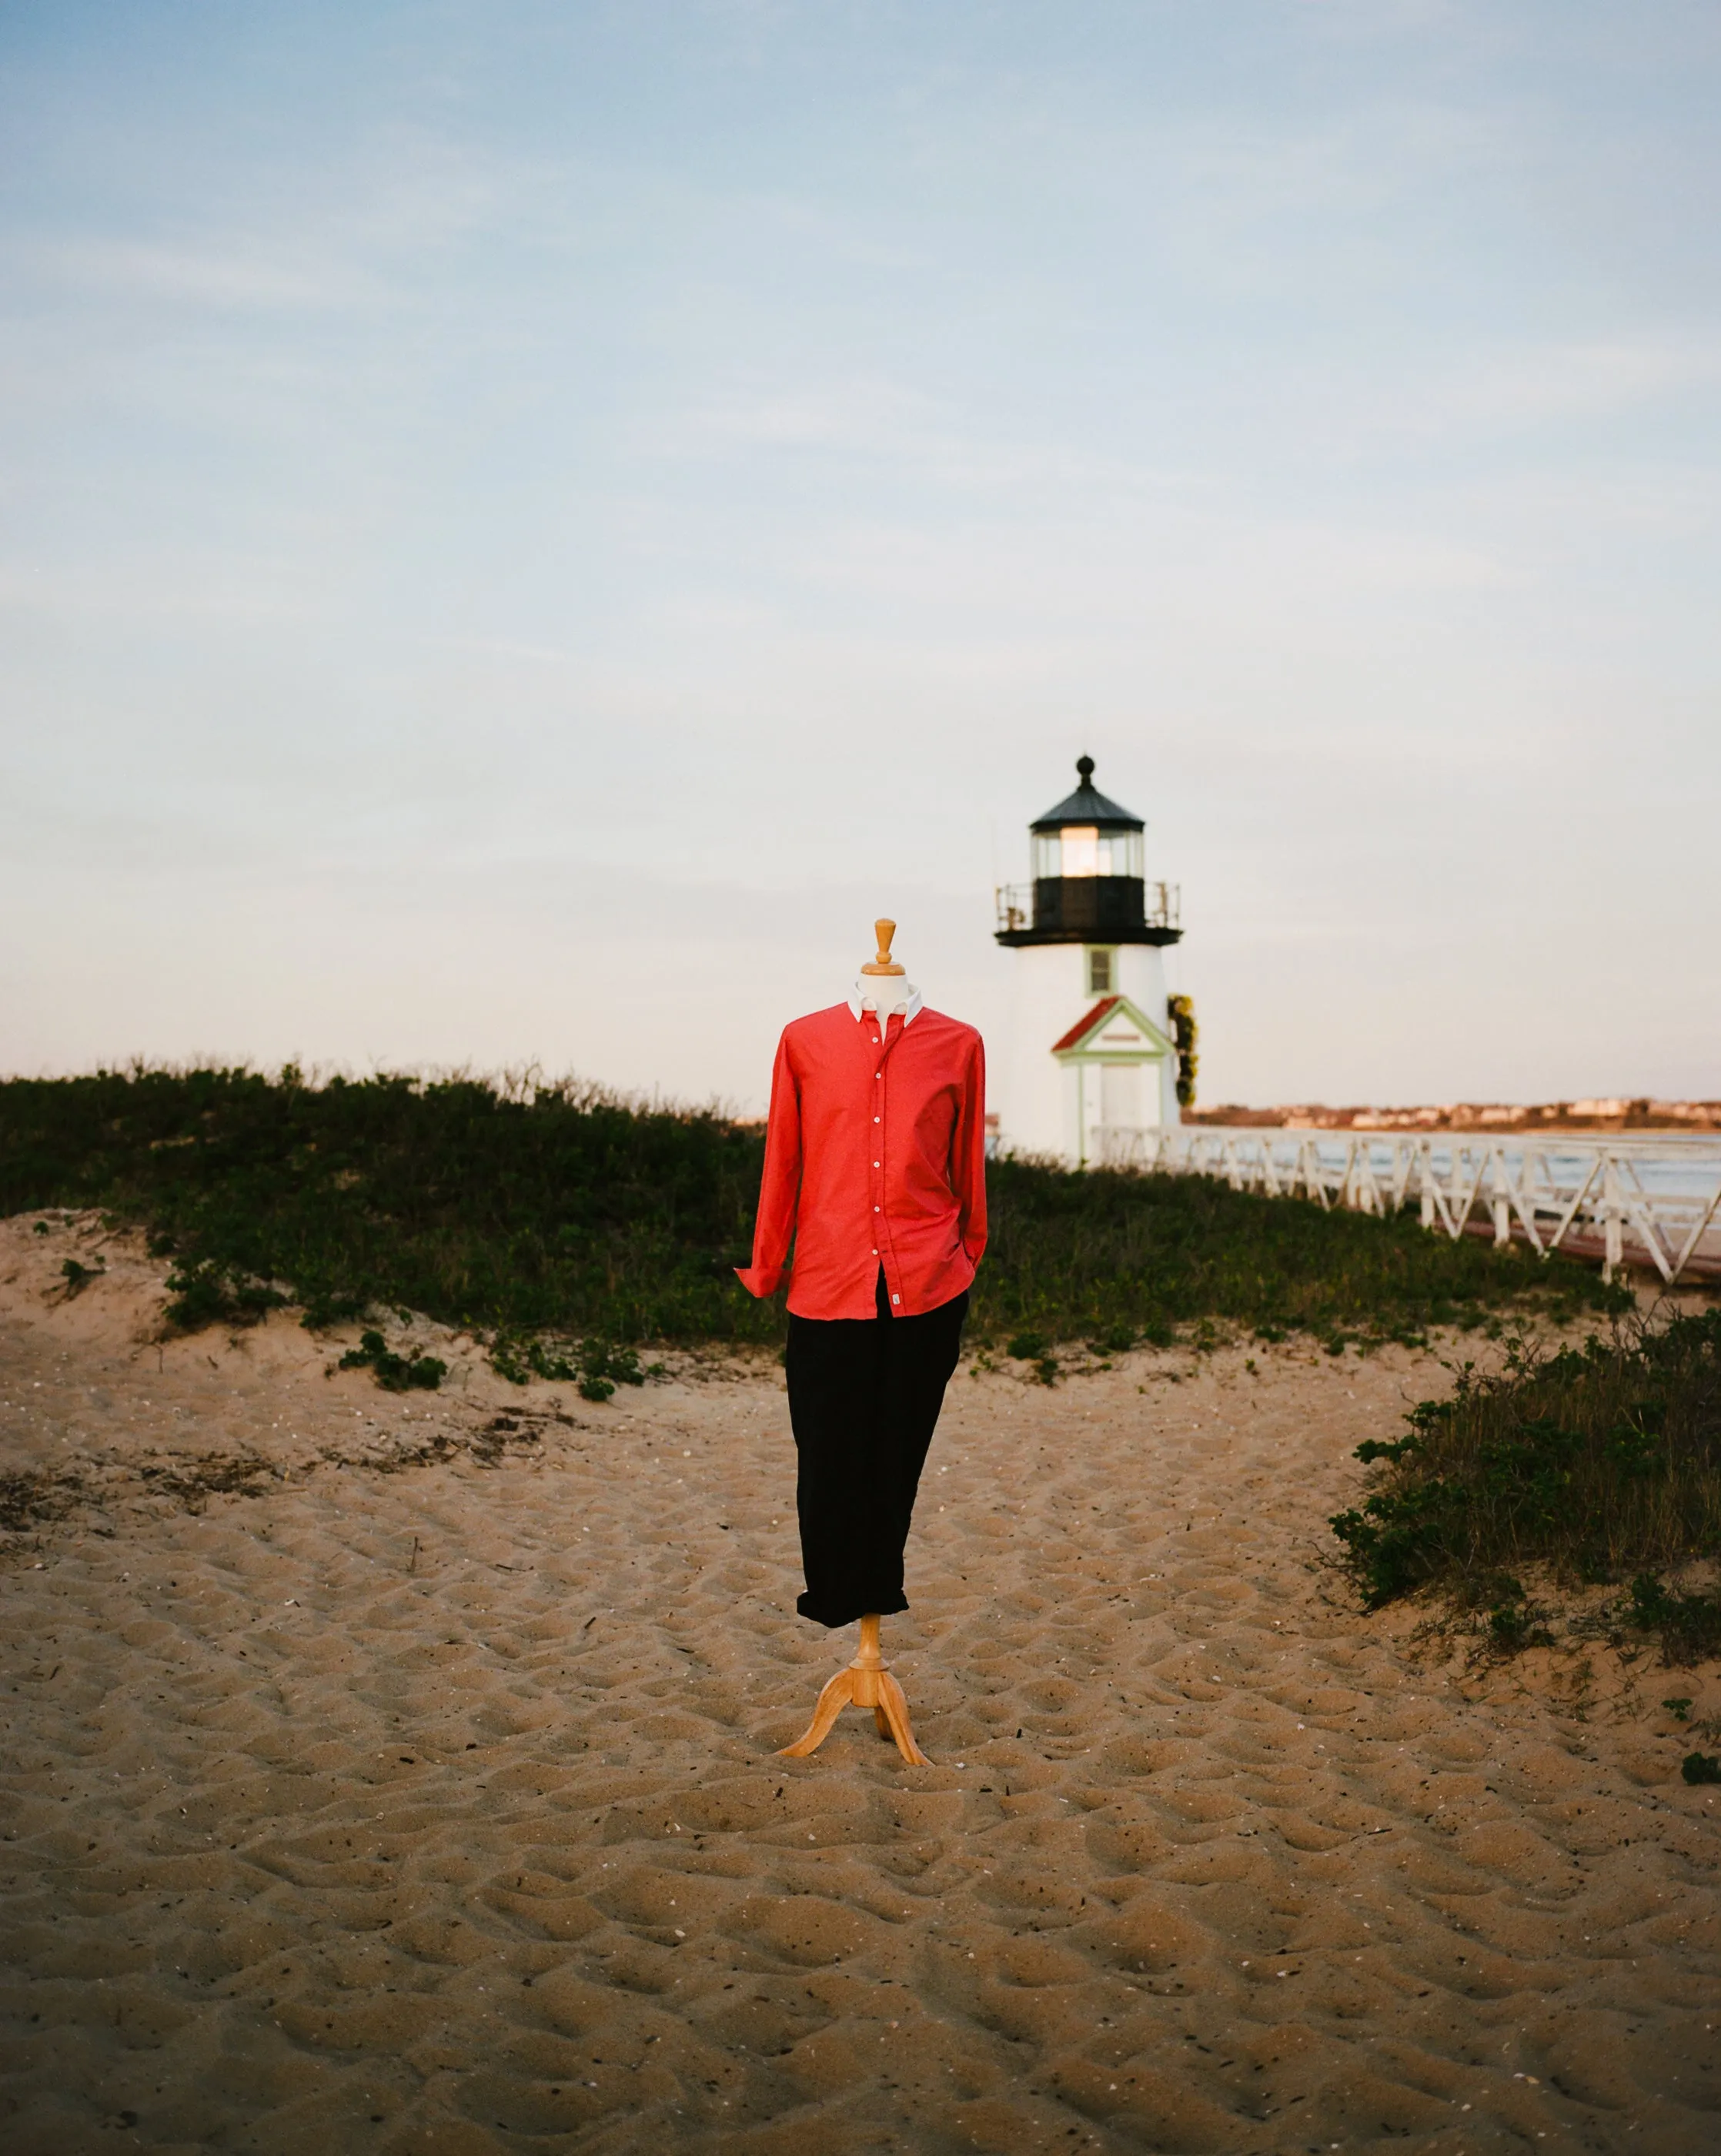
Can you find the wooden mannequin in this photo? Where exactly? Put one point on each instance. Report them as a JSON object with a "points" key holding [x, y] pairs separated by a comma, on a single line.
{"points": [[883, 986], [865, 1682], [885, 989]]}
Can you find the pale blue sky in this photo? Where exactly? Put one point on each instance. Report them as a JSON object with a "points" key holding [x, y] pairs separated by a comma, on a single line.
{"points": [[523, 526]]}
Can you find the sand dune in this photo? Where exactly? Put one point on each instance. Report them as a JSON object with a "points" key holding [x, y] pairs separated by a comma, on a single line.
{"points": [[395, 1774]]}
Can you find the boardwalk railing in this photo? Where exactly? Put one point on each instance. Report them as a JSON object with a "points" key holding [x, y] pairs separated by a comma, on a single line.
{"points": [[1658, 1199]]}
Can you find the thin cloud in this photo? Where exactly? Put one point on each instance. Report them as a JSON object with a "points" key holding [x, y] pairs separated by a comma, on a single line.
{"points": [[235, 276]]}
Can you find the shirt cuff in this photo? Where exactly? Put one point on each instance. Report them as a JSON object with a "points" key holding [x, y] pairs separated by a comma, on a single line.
{"points": [[760, 1280]]}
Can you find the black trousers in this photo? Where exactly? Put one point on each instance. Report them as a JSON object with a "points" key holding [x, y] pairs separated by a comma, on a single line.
{"points": [[864, 1396]]}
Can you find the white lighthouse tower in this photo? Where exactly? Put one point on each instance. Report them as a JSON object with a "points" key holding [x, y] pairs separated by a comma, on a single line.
{"points": [[1091, 1064]]}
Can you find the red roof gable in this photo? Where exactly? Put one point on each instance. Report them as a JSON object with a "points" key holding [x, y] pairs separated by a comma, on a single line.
{"points": [[1102, 1009]]}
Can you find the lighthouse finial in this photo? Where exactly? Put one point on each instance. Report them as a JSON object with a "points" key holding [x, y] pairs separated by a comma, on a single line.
{"points": [[1084, 768]]}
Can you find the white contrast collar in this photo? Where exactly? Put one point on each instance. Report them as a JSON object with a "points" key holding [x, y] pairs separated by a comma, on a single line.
{"points": [[911, 1009]]}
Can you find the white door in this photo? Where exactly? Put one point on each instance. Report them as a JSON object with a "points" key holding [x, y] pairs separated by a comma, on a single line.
{"points": [[1122, 1103]]}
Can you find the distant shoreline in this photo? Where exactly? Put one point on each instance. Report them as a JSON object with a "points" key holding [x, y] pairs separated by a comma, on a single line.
{"points": [[1598, 1115]]}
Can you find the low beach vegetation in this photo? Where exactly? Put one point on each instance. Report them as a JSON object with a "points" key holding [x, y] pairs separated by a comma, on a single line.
{"points": [[393, 1372], [596, 1366], [1598, 1464], [1115, 1259], [528, 1210], [569, 1227]]}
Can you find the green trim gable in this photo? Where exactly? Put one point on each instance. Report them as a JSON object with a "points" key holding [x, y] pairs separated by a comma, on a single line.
{"points": [[1116, 1030]]}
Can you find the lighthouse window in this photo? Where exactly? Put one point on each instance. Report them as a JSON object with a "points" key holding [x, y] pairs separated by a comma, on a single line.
{"points": [[1121, 854], [1081, 850], [1101, 972]]}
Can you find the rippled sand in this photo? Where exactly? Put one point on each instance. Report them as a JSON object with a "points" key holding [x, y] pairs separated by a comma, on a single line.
{"points": [[397, 1776]]}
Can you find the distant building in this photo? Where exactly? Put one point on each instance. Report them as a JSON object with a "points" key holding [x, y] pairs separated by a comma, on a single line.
{"points": [[1089, 1060]]}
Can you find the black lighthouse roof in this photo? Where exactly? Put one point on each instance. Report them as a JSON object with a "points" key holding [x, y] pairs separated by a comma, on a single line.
{"points": [[1087, 806]]}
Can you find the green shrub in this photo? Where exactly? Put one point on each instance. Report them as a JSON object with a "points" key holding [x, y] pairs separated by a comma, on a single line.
{"points": [[78, 1277], [1602, 1462], [561, 1210], [212, 1291], [1689, 1625], [395, 1374], [598, 1366]]}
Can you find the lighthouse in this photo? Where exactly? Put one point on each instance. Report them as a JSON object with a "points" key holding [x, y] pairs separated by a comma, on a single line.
{"points": [[1091, 1063]]}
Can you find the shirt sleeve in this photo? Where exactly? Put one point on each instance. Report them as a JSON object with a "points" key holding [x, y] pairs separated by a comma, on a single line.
{"points": [[780, 1186], [968, 1155]]}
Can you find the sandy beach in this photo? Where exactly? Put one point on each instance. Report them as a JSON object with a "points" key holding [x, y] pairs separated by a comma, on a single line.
{"points": [[395, 1773]]}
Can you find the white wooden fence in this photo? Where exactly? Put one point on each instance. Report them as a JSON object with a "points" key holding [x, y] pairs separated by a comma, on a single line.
{"points": [[1653, 1198]]}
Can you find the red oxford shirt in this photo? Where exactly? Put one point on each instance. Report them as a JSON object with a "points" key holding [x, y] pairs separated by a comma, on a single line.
{"points": [[875, 1155]]}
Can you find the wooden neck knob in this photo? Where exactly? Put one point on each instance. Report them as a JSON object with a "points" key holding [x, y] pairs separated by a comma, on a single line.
{"points": [[884, 930]]}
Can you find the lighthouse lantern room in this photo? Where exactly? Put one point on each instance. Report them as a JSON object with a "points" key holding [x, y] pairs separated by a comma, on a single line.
{"points": [[1091, 1062]]}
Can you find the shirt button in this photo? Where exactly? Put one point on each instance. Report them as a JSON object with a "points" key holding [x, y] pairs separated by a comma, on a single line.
{"points": [[875, 1119], [875, 1209], [874, 1163], [875, 1254]]}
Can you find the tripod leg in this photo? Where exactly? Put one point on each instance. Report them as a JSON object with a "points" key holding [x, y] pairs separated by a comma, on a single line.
{"points": [[834, 1697], [895, 1707], [883, 1722]]}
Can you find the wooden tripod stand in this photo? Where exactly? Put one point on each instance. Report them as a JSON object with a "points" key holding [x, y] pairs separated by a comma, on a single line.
{"points": [[865, 1682]]}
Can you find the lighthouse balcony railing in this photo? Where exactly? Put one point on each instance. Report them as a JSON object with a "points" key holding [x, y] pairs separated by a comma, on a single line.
{"points": [[1162, 906], [1653, 1201]]}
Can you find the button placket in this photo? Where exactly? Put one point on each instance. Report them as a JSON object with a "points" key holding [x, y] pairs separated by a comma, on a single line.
{"points": [[878, 1192], [880, 1102]]}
